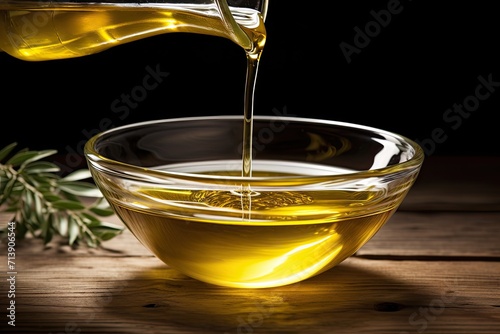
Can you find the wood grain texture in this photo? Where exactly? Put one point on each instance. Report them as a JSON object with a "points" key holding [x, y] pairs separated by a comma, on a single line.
{"points": [[124, 295], [435, 234], [433, 268]]}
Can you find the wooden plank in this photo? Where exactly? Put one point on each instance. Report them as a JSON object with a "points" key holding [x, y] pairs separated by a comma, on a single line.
{"points": [[72, 294], [437, 234]]}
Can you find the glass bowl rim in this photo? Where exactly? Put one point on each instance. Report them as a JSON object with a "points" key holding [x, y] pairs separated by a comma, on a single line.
{"points": [[129, 170]]}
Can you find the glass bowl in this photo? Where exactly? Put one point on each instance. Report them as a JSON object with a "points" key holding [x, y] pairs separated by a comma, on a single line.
{"points": [[319, 190]]}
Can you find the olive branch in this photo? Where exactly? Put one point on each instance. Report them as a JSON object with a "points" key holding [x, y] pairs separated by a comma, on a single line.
{"points": [[44, 204]]}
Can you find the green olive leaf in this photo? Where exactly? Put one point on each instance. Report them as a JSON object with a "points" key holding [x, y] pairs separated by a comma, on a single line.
{"points": [[38, 156], [79, 188], [44, 204], [102, 212], [68, 205], [24, 157], [41, 167], [62, 225], [73, 231], [46, 225], [7, 190], [77, 175], [4, 152], [105, 226]]}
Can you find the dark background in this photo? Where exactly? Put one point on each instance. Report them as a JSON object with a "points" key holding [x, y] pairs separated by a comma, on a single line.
{"points": [[427, 59]]}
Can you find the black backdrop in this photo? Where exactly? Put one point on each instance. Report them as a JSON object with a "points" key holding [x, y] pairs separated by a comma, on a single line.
{"points": [[426, 60]]}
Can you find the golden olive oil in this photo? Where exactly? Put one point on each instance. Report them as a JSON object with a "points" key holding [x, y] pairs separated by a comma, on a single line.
{"points": [[45, 30], [263, 239]]}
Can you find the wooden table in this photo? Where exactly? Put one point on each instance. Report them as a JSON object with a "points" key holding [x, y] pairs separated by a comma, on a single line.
{"points": [[433, 268]]}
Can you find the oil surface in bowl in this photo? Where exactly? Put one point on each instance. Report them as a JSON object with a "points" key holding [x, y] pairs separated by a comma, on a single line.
{"points": [[268, 238]]}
